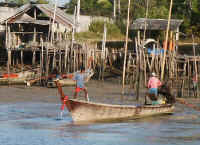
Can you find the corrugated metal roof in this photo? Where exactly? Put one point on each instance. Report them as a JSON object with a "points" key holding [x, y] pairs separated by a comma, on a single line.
{"points": [[60, 17], [155, 24], [19, 11], [28, 19]]}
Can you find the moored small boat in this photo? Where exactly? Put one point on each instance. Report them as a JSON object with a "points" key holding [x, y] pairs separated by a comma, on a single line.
{"points": [[68, 81], [16, 78]]}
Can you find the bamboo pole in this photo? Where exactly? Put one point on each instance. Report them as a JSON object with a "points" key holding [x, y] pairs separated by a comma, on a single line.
{"points": [[145, 66], [54, 58], [22, 60], [72, 42], [47, 62], [74, 62], [54, 15], [8, 64], [188, 61], [33, 58], [114, 9], [8, 51], [103, 52], [119, 7], [126, 45], [147, 11], [183, 80], [60, 60], [65, 63], [195, 62], [41, 59], [166, 39], [138, 76]]}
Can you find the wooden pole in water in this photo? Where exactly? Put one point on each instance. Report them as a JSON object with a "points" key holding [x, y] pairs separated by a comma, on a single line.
{"points": [[188, 62], [22, 60], [166, 40], [72, 42], [65, 63], [54, 58], [74, 62], [47, 62], [125, 52], [8, 51], [103, 53], [41, 59], [33, 59], [60, 60], [195, 63]]}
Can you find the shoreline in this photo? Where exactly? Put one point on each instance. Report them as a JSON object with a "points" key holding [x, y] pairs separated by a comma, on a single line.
{"points": [[99, 91]]}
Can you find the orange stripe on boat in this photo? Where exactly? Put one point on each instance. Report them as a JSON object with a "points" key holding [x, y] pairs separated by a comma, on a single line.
{"points": [[10, 75]]}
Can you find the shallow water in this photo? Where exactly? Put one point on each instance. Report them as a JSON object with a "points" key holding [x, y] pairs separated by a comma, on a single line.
{"points": [[38, 124]]}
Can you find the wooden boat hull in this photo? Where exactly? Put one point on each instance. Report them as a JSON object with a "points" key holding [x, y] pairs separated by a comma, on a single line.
{"points": [[20, 78], [63, 82], [13, 81], [82, 111]]}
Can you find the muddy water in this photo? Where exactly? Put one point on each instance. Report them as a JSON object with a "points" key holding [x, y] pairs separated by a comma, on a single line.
{"points": [[33, 120]]}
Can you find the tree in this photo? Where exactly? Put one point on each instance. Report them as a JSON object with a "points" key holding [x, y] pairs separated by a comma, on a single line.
{"points": [[42, 1], [22, 2], [187, 10], [19, 2], [91, 7]]}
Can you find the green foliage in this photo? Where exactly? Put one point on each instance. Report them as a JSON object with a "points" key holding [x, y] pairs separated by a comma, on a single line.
{"points": [[19, 2], [42, 1], [91, 7], [88, 35], [22, 2], [187, 10], [113, 32], [105, 4]]}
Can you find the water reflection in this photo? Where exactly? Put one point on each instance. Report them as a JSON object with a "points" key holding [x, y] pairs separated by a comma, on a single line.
{"points": [[37, 124]]}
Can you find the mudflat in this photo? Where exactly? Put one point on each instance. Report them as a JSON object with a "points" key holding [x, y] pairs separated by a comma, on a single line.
{"points": [[99, 91]]}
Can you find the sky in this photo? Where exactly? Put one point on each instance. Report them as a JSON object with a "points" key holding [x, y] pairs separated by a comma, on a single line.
{"points": [[62, 2]]}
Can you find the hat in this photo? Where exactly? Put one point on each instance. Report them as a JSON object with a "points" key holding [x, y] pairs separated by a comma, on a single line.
{"points": [[153, 74]]}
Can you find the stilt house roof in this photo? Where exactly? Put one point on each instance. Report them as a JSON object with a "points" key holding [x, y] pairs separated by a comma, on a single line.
{"points": [[20, 15], [155, 24]]}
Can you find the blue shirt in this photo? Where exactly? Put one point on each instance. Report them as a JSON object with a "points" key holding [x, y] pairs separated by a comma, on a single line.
{"points": [[79, 78]]}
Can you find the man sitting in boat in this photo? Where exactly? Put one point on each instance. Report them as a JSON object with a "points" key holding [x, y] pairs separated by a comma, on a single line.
{"points": [[153, 85], [80, 83]]}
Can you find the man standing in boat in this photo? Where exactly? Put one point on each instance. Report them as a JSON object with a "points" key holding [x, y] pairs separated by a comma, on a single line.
{"points": [[153, 85], [80, 83]]}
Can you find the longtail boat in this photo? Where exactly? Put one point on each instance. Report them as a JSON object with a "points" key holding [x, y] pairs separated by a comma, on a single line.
{"points": [[68, 81], [84, 111]]}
